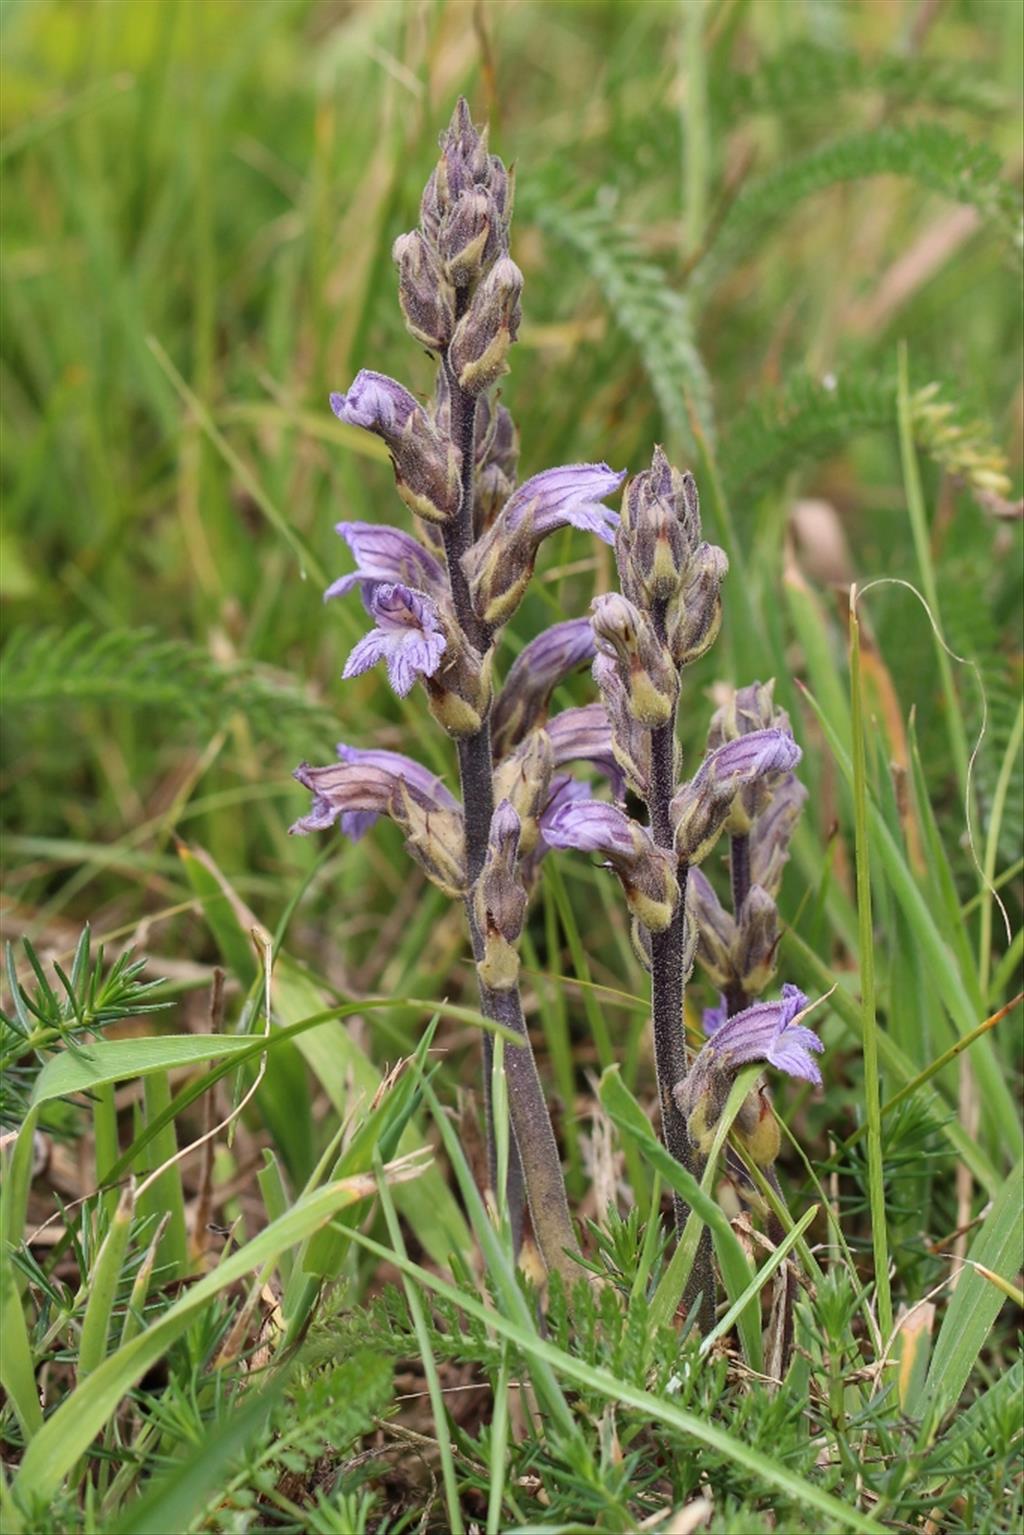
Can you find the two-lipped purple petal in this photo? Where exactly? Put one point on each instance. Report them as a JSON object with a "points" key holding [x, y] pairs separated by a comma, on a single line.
{"points": [[767, 1032], [571, 495], [386, 554], [407, 637]]}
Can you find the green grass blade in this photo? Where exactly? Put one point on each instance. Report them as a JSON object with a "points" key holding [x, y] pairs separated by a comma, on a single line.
{"points": [[624, 1111], [427, 1360], [498, 1447], [995, 823], [163, 1192], [995, 1090], [103, 1281], [812, 973], [171, 1502], [866, 955], [17, 1373], [498, 1264], [759, 1280], [976, 1303], [922, 547], [114, 1060]]}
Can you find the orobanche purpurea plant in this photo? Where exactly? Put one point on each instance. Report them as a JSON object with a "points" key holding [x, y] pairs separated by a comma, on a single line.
{"points": [[438, 604]]}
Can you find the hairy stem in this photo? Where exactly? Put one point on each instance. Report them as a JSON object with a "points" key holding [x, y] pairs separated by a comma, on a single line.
{"points": [[668, 985], [534, 1169]]}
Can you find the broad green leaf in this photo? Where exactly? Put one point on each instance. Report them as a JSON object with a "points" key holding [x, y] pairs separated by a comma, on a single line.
{"points": [[114, 1060]]}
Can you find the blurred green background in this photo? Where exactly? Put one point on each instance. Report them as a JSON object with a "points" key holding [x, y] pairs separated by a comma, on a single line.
{"points": [[729, 214]]}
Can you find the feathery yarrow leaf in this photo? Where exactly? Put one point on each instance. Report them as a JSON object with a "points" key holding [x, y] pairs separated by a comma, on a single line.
{"points": [[811, 74], [43, 667], [927, 153], [809, 418], [644, 305]]}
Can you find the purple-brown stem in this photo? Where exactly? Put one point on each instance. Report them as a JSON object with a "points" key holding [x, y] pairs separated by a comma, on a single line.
{"points": [[668, 987], [534, 1168]]}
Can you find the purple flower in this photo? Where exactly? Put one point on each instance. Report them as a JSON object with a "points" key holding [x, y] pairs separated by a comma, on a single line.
{"points": [[703, 806], [361, 787], [771, 832], [646, 871], [424, 785], [424, 460], [590, 826], [533, 675], [749, 757], [499, 565], [714, 1017], [767, 1032], [408, 637], [569, 496], [716, 929], [386, 554], [376, 403]]}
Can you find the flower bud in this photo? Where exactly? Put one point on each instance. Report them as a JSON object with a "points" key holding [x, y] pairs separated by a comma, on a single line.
{"points": [[757, 941], [749, 708], [499, 901], [470, 238], [645, 666], [716, 929], [425, 462], [434, 838], [487, 329], [459, 690], [631, 741], [497, 453], [645, 871], [695, 615], [424, 293], [771, 832], [660, 530], [524, 779]]}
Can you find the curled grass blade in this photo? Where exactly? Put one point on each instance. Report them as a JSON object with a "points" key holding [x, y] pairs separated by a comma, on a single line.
{"points": [[866, 956]]}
